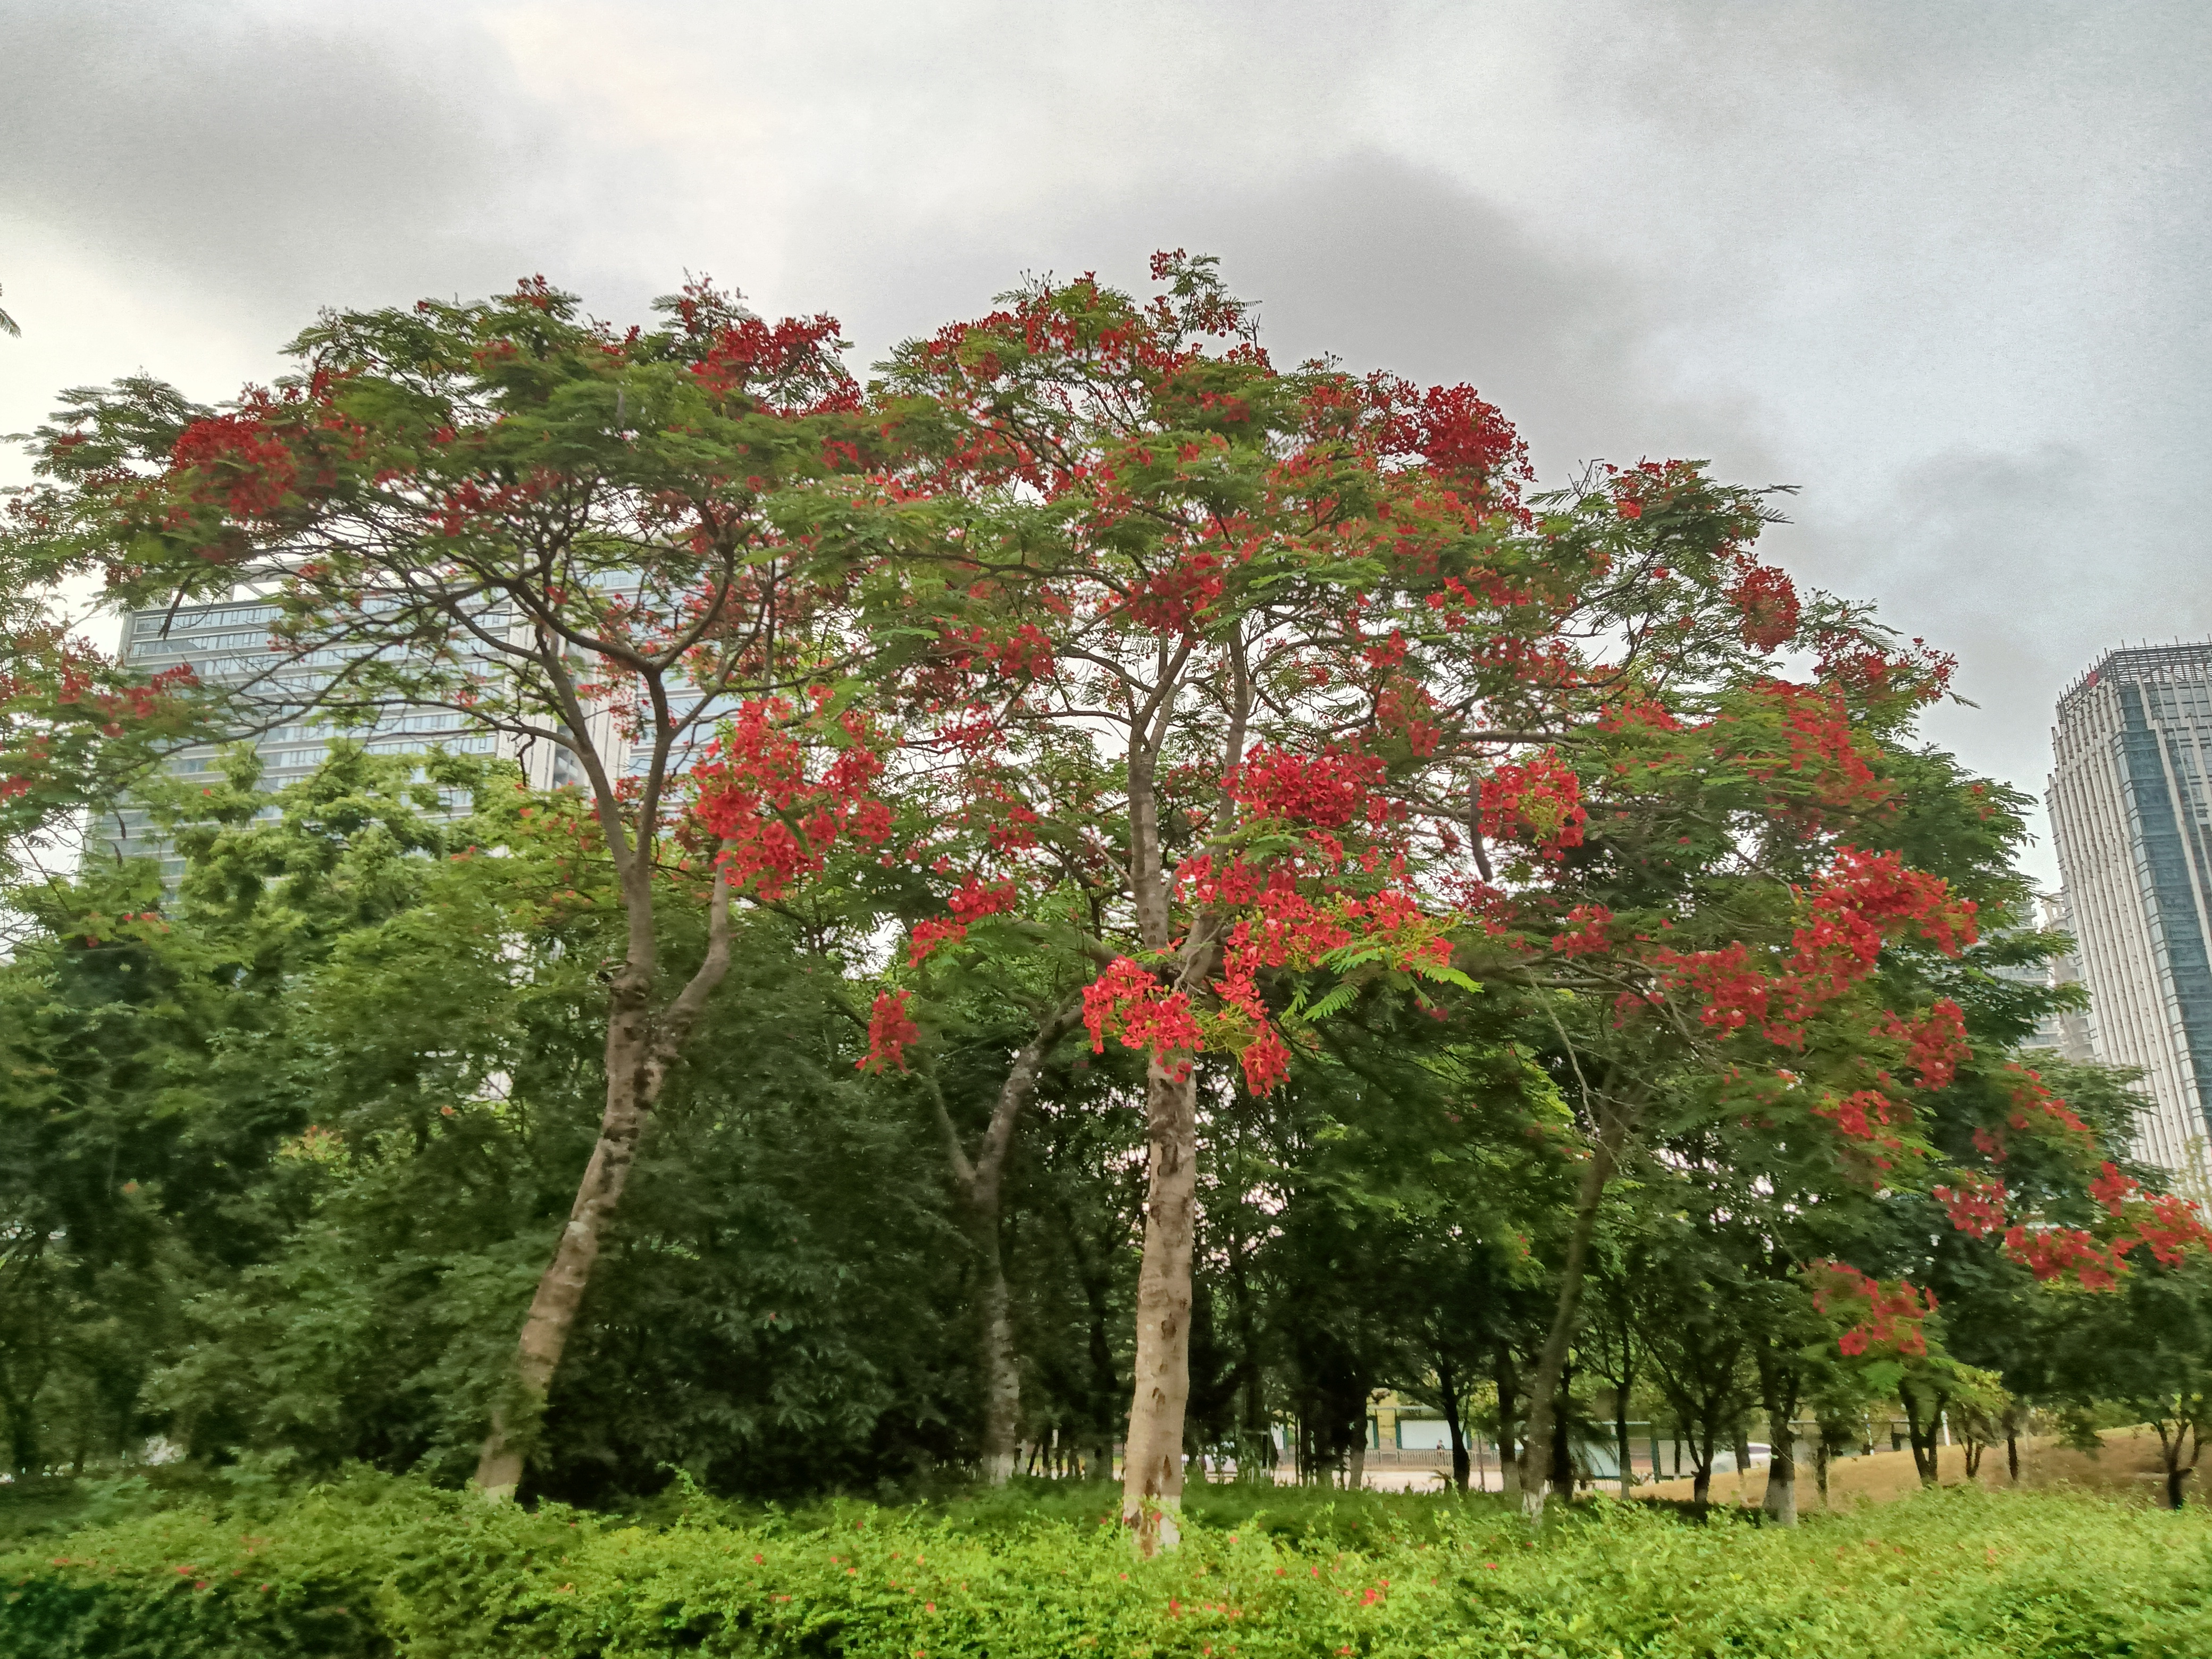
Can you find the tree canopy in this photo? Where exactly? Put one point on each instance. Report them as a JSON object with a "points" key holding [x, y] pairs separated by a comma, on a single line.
{"points": [[1093, 886]]}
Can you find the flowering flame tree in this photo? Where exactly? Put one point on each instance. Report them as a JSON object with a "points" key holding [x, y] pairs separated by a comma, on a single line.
{"points": [[1236, 690], [1228, 694], [594, 544]]}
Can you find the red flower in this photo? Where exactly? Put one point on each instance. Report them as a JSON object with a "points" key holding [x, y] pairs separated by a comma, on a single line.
{"points": [[1266, 1062], [1539, 799], [889, 1032], [1127, 999]]}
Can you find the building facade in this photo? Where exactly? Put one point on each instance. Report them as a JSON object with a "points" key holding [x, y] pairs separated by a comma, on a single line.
{"points": [[228, 642], [2065, 1032], [2131, 817]]}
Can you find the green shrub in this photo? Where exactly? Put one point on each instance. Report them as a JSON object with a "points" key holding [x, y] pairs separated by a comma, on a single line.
{"points": [[374, 1567]]}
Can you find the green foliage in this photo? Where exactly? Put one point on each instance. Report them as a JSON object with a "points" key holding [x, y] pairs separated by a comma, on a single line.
{"points": [[283, 1150], [373, 1567]]}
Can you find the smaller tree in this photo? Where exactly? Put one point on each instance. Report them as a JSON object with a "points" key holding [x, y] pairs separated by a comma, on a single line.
{"points": [[2148, 1348], [1698, 1356], [1613, 1349]]}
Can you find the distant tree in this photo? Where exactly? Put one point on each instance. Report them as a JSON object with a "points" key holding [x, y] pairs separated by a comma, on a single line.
{"points": [[2148, 1348]]}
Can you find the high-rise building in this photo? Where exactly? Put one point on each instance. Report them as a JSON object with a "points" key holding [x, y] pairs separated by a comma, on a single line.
{"points": [[2067, 1032], [228, 642], [2131, 816]]}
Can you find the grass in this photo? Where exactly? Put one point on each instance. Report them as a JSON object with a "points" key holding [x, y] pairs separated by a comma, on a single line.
{"points": [[377, 1566], [2127, 1470]]}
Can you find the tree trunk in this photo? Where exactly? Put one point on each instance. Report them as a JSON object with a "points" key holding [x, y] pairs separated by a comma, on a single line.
{"points": [[1820, 1456], [2175, 1474], [1780, 1385], [1552, 1365], [23, 1444], [1701, 1485], [1105, 1391], [2012, 1453], [1355, 1472], [1002, 1379], [1742, 1451], [1922, 1435], [1563, 1462], [640, 1050], [560, 1294], [1509, 1400], [1781, 1504], [1151, 1481], [1620, 1447], [980, 1181], [1448, 1397], [1256, 1439]]}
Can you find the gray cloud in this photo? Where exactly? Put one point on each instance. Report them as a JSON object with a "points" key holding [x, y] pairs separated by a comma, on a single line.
{"points": [[1939, 262], [277, 160]]}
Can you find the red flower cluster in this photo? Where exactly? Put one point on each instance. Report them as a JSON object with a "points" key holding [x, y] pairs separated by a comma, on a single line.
{"points": [[1768, 601], [1130, 1002], [240, 458], [1539, 800], [1460, 436], [1938, 1040], [1633, 708], [1866, 898], [1025, 653], [2049, 1252], [971, 903], [1734, 994], [1587, 932], [1175, 601], [1818, 733], [1917, 675], [2034, 1106], [791, 359], [2172, 1227], [1976, 1205], [2112, 1189], [1329, 790], [776, 822], [1266, 1061], [1886, 1315], [1859, 1114], [890, 1034]]}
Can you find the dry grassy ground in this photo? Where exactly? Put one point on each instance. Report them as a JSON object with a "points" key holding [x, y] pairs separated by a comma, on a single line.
{"points": [[2128, 1466]]}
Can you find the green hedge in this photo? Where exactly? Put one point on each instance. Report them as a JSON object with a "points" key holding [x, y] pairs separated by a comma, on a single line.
{"points": [[382, 1567]]}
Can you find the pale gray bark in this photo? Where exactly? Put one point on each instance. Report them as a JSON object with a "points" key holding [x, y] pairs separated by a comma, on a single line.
{"points": [[1151, 1480], [640, 1050]]}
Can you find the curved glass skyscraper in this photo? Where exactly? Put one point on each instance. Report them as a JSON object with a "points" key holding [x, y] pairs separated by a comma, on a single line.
{"points": [[2131, 814]]}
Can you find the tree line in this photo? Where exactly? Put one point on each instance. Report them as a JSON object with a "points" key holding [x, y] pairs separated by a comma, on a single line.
{"points": [[1092, 886]]}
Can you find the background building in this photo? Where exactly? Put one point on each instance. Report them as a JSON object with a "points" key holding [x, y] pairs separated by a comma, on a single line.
{"points": [[2131, 816], [2068, 1032], [228, 642]]}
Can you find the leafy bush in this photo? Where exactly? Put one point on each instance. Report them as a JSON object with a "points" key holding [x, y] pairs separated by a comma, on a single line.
{"points": [[387, 1567]]}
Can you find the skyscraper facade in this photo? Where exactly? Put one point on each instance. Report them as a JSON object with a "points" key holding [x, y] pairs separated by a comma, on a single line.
{"points": [[2065, 1032], [226, 643], [2131, 815]]}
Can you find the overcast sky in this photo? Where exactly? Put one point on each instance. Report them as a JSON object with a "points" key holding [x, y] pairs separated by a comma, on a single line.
{"points": [[1942, 265]]}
